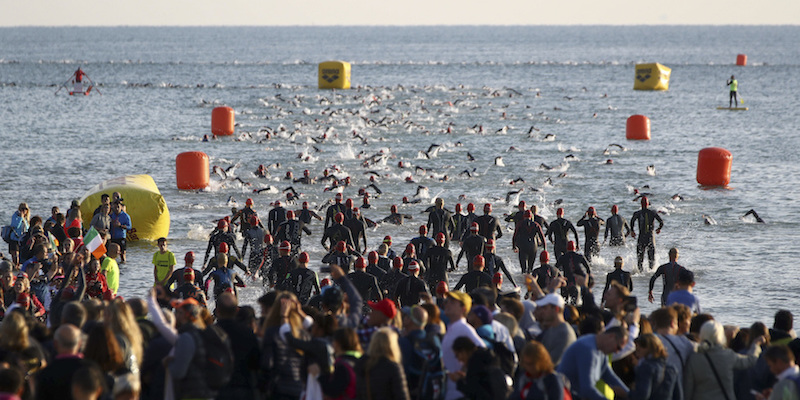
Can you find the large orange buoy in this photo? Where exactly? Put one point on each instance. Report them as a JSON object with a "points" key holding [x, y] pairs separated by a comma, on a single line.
{"points": [[714, 166], [637, 128], [191, 170], [222, 121], [741, 60]]}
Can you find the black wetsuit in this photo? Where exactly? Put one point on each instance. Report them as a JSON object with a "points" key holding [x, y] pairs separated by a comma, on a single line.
{"points": [[384, 263], [190, 290], [254, 237], [343, 260], [439, 260], [526, 235], [244, 217], [591, 231], [495, 264], [558, 232], [212, 265], [440, 220], [472, 246], [338, 233], [377, 271], [275, 217], [545, 274], [420, 264], [515, 217], [367, 285], [218, 237], [280, 269], [390, 281], [472, 280], [407, 292], [333, 209], [571, 264], [421, 245], [619, 276], [358, 230], [291, 230], [302, 281], [177, 276], [670, 272], [646, 240], [305, 215], [488, 227], [615, 225]]}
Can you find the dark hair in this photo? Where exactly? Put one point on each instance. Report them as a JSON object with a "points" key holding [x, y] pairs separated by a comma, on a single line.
{"points": [[226, 306], [488, 292], [463, 343], [11, 380], [246, 315], [138, 307], [698, 321], [663, 317], [617, 331], [590, 325], [434, 315], [161, 240], [779, 353], [347, 339], [268, 299], [326, 322], [73, 232], [73, 313], [756, 330], [784, 321], [35, 220], [88, 379], [514, 307], [479, 298]]}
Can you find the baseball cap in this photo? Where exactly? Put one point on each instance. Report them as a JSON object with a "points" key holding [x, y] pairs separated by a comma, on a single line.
{"points": [[462, 297], [553, 299], [385, 307], [483, 314]]}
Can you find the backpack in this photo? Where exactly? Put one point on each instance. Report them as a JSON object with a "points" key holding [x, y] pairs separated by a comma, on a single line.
{"points": [[506, 357], [5, 233], [426, 363], [565, 385], [216, 354], [499, 383], [350, 391]]}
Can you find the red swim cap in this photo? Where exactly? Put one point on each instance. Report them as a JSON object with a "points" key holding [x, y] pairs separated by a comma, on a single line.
{"points": [[341, 246], [393, 209], [423, 230], [490, 244], [470, 207], [441, 288], [560, 212], [223, 247], [410, 249], [544, 257], [614, 209], [487, 208], [268, 239], [285, 246], [372, 257], [387, 239], [571, 245], [479, 261], [290, 214], [458, 207], [339, 217], [527, 214], [360, 263], [397, 263], [189, 256], [222, 224], [440, 237], [497, 278], [254, 220], [338, 197], [303, 258], [305, 205], [325, 282], [188, 274], [248, 202], [473, 227]]}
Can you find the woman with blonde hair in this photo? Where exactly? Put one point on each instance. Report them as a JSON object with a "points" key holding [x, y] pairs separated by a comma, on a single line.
{"points": [[655, 379], [380, 372], [17, 345], [709, 372], [119, 318], [280, 363]]}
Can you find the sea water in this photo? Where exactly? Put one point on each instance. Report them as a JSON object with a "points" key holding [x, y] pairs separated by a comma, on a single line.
{"points": [[159, 85]]}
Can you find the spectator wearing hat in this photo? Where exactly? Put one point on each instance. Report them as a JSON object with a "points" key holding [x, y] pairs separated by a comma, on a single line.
{"points": [[381, 315], [556, 334], [302, 281], [332, 300], [475, 278], [409, 289], [683, 293], [456, 308], [481, 319]]}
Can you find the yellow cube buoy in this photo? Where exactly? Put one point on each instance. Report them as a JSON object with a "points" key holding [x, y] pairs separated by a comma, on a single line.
{"points": [[652, 76], [334, 75]]}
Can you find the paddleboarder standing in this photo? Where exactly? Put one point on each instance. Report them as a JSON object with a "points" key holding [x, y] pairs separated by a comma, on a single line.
{"points": [[78, 81], [734, 86]]}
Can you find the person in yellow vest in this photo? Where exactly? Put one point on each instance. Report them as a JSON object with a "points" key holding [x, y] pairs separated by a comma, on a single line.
{"points": [[734, 85]]}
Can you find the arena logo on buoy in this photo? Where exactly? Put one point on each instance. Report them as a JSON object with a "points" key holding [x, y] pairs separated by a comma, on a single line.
{"points": [[643, 74], [330, 75]]}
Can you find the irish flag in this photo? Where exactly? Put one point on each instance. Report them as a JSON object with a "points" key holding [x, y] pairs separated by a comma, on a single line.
{"points": [[94, 243]]}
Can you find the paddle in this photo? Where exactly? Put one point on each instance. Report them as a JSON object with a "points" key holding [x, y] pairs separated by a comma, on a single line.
{"points": [[63, 85], [94, 85]]}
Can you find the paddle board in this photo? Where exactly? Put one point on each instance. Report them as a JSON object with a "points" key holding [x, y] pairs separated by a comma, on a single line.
{"points": [[733, 108], [86, 93]]}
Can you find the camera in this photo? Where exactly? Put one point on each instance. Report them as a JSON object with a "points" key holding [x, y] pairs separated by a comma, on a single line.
{"points": [[630, 304]]}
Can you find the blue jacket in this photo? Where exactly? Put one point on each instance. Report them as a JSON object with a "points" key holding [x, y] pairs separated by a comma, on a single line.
{"points": [[584, 364], [18, 226], [121, 231]]}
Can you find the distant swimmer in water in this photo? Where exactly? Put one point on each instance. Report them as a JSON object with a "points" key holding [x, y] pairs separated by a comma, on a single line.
{"points": [[734, 86], [395, 217], [755, 215], [709, 220]]}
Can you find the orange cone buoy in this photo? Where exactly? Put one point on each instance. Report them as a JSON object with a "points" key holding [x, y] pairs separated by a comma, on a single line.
{"points": [[714, 166], [222, 121], [637, 128], [191, 170], [741, 60]]}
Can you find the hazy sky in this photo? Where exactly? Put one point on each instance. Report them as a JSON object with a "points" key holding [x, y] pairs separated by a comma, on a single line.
{"points": [[405, 12]]}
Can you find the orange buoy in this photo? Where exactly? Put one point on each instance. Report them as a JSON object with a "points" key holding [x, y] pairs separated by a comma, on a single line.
{"points": [[714, 166], [741, 60], [222, 121], [637, 128], [191, 170]]}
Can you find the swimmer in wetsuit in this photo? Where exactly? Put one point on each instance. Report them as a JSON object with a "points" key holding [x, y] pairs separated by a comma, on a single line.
{"points": [[472, 246], [647, 241], [440, 220], [333, 209], [615, 224], [571, 264], [755, 215], [670, 272], [439, 260], [558, 233], [526, 236], [488, 226], [591, 230], [395, 217]]}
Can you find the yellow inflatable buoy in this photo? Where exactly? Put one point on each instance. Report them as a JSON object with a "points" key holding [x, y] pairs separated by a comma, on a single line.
{"points": [[651, 77], [143, 202], [334, 75]]}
